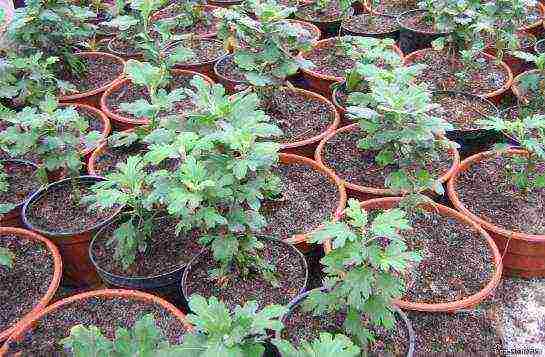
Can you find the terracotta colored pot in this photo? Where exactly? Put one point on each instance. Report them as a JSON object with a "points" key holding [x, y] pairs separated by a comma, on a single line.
{"points": [[470, 301], [73, 246], [106, 126], [300, 240], [123, 123], [301, 298], [322, 82], [537, 29], [494, 96], [51, 290], [92, 97], [313, 29], [95, 155], [158, 15], [106, 294], [231, 85], [347, 30], [516, 87], [524, 254], [206, 68], [13, 217], [363, 193], [516, 64]]}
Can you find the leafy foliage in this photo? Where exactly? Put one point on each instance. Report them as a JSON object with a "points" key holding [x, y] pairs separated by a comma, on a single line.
{"points": [[529, 132], [221, 333], [326, 346], [6, 258], [54, 134], [363, 269], [533, 81], [264, 49], [4, 187], [144, 340]]}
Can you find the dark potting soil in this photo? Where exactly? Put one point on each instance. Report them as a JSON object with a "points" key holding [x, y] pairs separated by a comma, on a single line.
{"points": [[394, 7], [356, 166], [108, 314], [165, 251], [22, 286], [129, 93], [462, 111], [59, 211], [205, 50], [471, 333], [301, 325], [456, 260], [441, 70], [124, 47], [21, 182], [208, 24], [99, 71], [331, 13], [416, 21], [290, 273], [309, 199], [488, 192], [371, 24]]}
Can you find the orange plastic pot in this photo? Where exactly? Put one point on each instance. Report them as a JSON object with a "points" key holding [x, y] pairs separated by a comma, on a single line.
{"points": [[104, 294], [470, 301], [494, 96], [516, 65], [92, 97], [95, 155], [106, 126], [73, 245], [51, 290], [13, 217], [524, 254], [160, 15], [301, 240], [537, 28], [121, 122], [516, 87], [322, 82], [365, 193]]}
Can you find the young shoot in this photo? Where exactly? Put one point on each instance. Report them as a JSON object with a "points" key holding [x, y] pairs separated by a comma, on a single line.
{"points": [[326, 345], [529, 132], [533, 82], [364, 269]]}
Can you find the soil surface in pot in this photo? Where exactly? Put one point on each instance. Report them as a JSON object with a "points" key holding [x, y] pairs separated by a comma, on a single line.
{"points": [[229, 69], [356, 166], [108, 314], [301, 325], [328, 60], [456, 260], [21, 182], [58, 210], [488, 192], [290, 273], [128, 93], [416, 21], [165, 251], [394, 7], [125, 47], [473, 332], [371, 24], [331, 13], [207, 24], [204, 50], [440, 74], [462, 111], [309, 199], [22, 286], [99, 71]]}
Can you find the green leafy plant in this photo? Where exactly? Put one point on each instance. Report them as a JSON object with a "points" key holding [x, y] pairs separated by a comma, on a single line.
{"points": [[4, 187], [6, 258], [529, 132], [325, 346], [190, 13], [533, 81], [51, 27], [363, 269], [54, 134], [219, 332], [144, 339], [264, 49], [396, 121]]}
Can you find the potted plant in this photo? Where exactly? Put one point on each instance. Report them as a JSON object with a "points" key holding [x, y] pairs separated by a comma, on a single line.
{"points": [[263, 58], [53, 28], [457, 59], [104, 309], [502, 189], [327, 15], [528, 86], [57, 136], [371, 25], [190, 17], [30, 271], [390, 7], [397, 142]]}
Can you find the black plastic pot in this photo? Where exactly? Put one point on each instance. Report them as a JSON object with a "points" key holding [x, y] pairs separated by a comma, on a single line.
{"points": [[346, 30], [73, 245], [411, 40], [164, 285], [183, 286], [299, 299]]}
